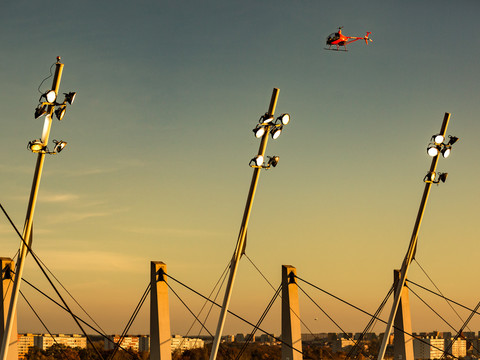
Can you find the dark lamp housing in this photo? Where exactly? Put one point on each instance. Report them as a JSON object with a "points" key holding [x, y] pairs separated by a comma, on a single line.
{"points": [[442, 177], [273, 161], [453, 140], [39, 111], [70, 97], [59, 145]]}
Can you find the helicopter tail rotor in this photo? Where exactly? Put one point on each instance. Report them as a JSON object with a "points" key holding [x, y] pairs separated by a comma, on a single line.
{"points": [[366, 38]]}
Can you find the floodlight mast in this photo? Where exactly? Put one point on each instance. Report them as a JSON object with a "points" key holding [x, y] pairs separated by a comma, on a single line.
{"points": [[27, 229], [240, 247], [411, 248]]}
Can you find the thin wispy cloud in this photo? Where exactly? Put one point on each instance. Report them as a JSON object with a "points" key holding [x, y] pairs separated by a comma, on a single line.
{"points": [[173, 232], [94, 171], [97, 261], [128, 163], [15, 169], [58, 198], [69, 217]]}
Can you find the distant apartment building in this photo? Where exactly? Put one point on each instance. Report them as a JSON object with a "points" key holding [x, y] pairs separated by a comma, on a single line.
{"points": [[128, 342], [240, 338], [456, 348], [25, 343], [341, 344], [228, 338], [180, 343], [428, 347], [433, 346], [268, 339], [468, 335], [44, 341], [142, 343]]}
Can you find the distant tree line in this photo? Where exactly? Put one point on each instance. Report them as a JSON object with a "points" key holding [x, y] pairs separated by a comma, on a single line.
{"points": [[227, 351]]}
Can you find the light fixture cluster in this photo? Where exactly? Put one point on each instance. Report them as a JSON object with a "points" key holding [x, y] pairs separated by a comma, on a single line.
{"points": [[46, 100], [37, 146], [431, 177], [49, 99], [438, 146], [266, 124], [257, 162], [435, 148]]}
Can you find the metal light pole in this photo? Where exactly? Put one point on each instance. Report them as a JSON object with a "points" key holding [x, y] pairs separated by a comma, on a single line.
{"points": [[262, 130], [46, 108], [429, 180]]}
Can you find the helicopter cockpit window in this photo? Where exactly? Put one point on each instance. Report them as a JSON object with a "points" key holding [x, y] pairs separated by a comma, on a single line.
{"points": [[333, 37]]}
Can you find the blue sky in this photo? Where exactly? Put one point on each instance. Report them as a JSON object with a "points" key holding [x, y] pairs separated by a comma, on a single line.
{"points": [[159, 140]]}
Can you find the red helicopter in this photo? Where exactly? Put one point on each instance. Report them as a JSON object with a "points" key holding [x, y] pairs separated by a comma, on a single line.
{"points": [[338, 39]]}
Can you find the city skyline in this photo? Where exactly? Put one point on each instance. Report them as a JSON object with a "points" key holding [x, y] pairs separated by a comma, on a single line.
{"points": [[159, 141]]}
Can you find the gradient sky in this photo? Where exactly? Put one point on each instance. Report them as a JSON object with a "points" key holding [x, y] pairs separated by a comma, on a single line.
{"points": [[159, 140]]}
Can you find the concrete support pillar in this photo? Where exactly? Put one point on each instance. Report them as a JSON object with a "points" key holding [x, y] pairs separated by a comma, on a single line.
{"points": [[7, 267], [402, 343], [291, 331], [160, 336]]}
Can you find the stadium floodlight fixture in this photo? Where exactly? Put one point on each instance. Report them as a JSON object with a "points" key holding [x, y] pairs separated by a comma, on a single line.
{"points": [[59, 146], [257, 160], [284, 119], [36, 146], [70, 97], [442, 177], [60, 112], [438, 139], [453, 140], [259, 131], [433, 150], [275, 132], [50, 96], [447, 149], [273, 161], [40, 110], [266, 119]]}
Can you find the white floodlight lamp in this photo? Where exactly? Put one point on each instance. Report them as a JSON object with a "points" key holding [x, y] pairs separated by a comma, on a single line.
{"points": [[433, 150], [50, 96], [284, 118], [446, 151], [259, 131], [60, 112], [258, 160], [438, 139], [276, 132], [266, 119]]}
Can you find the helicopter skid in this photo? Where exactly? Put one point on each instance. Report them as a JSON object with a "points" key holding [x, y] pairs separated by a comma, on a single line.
{"points": [[336, 49]]}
